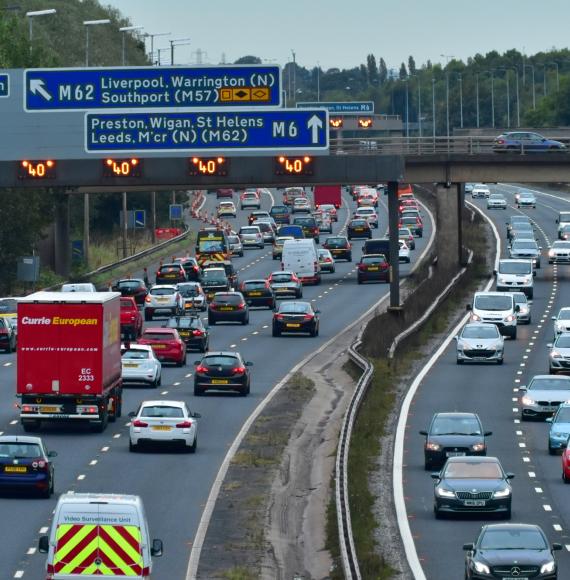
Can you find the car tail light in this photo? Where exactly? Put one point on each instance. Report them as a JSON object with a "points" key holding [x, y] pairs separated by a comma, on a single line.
{"points": [[282, 266], [362, 266], [184, 425], [279, 317], [27, 409], [213, 306], [238, 370], [315, 266], [197, 332], [147, 299], [384, 266], [179, 342], [308, 317], [139, 423], [500, 141], [201, 369]]}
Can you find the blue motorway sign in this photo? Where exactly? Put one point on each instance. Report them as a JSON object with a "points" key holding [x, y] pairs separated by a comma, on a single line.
{"points": [[140, 218], [4, 85], [201, 87], [175, 211], [279, 131], [341, 108]]}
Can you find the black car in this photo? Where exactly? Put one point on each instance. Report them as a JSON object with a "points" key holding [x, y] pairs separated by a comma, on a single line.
{"points": [[228, 266], [191, 330], [7, 336], [296, 317], [309, 225], [25, 463], [373, 267], [453, 435], [511, 551], [224, 371], [214, 280], [170, 274], [339, 247], [228, 307], [377, 246], [472, 484], [358, 228], [190, 265], [134, 287], [258, 293]]}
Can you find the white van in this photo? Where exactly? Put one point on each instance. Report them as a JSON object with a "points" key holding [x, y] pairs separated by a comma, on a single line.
{"points": [[112, 531], [300, 256], [515, 275], [497, 308]]}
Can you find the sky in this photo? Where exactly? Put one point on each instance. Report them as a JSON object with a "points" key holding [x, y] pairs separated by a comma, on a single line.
{"points": [[340, 33]]}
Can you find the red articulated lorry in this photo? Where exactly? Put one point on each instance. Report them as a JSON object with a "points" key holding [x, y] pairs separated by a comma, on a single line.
{"points": [[328, 194], [69, 358]]}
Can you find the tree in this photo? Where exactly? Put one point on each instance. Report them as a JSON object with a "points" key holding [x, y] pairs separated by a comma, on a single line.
{"points": [[382, 71], [249, 59], [411, 65], [403, 72], [372, 69], [429, 65]]}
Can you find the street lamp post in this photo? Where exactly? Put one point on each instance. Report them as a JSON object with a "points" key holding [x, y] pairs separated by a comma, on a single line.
{"points": [[477, 97], [419, 106], [407, 110], [176, 42], [461, 98], [447, 103], [557, 75], [533, 85], [151, 36], [433, 106], [88, 24], [31, 15], [124, 30], [294, 76]]}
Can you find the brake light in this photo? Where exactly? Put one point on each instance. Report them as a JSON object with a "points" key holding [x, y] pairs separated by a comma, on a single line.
{"points": [[308, 317], [500, 141], [147, 298], [27, 409], [241, 306], [195, 268], [238, 370], [184, 425], [201, 369], [197, 332], [328, 259], [279, 316], [362, 266], [139, 423], [213, 306]]}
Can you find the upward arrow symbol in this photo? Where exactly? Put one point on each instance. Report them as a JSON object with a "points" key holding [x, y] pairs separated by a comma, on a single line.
{"points": [[37, 86], [314, 123]]}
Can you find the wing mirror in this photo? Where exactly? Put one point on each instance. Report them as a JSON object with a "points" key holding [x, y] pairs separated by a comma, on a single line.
{"points": [[468, 307], [548, 419], [52, 454], [43, 544], [196, 415], [488, 433], [470, 547], [510, 475], [522, 388], [156, 549], [132, 414], [550, 345], [423, 433], [556, 547], [248, 364], [435, 476]]}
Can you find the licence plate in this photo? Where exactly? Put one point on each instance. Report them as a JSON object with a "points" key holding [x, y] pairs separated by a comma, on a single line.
{"points": [[358, 229], [517, 578], [169, 276], [455, 454], [162, 299], [49, 409], [475, 502], [549, 409], [226, 308], [373, 269], [159, 346], [296, 325], [15, 469], [184, 333], [130, 365], [220, 381], [161, 428], [255, 293]]}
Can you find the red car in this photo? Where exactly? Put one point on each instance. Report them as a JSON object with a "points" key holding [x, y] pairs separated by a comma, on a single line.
{"points": [[225, 192], [131, 318], [166, 344]]}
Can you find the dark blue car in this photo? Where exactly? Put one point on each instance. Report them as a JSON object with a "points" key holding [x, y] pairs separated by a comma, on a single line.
{"points": [[26, 464], [525, 142]]}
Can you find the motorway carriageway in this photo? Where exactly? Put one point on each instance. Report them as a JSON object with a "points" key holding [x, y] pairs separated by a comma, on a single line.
{"points": [[539, 494], [174, 486]]}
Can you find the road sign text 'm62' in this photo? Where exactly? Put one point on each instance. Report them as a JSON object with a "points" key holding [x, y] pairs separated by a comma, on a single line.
{"points": [[279, 130]]}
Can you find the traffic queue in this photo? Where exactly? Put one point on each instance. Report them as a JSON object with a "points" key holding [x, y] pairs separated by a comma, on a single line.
{"points": [[78, 349]]}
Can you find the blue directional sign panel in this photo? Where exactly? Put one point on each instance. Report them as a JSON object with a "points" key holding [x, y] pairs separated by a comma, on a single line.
{"points": [[175, 212], [140, 218], [341, 108], [77, 89], [4, 85], [279, 131]]}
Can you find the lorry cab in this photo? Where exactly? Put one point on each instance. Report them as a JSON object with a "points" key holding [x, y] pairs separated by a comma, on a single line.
{"points": [[96, 535]]}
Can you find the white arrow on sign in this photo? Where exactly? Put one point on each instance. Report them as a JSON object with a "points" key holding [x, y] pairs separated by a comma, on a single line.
{"points": [[314, 123], [37, 86]]}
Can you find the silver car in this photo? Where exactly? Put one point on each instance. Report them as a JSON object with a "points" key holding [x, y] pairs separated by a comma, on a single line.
{"points": [[480, 342], [543, 396], [562, 322], [559, 253], [285, 283], [524, 315], [165, 299], [140, 365], [496, 201], [326, 261], [251, 236], [526, 249], [559, 355], [526, 199], [162, 422], [236, 247], [193, 296]]}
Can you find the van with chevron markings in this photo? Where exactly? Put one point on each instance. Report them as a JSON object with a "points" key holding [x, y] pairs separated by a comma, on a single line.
{"points": [[99, 535]]}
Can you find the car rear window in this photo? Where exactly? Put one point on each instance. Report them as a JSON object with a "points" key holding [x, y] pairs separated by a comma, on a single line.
{"points": [[251, 230], [280, 278], [304, 221], [233, 299], [127, 305], [189, 291], [258, 284], [150, 335], [19, 450], [135, 355], [277, 209], [220, 360], [214, 274], [162, 291], [173, 267], [128, 284], [183, 322], [336, 242], [358, 223], [373, 259], [161, 411], [294, 308]]}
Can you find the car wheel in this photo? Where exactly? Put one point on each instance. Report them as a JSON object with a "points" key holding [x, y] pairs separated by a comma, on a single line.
{"points": [[31, 425], [46, 494], [359, 281], [427, 465], [350, 258], [314, 332], [211, 321], [244, 391], [513, 333], [147, 315], [192, 448], [241, 254], [551, 451], [275, 331], [460, 361], [438, 515], [133, 447], [507, 514], [245, 321], [564, 478], [198, 392], [500, 361]]}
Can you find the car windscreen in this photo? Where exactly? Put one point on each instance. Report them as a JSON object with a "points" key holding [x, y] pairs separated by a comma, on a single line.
{"points": [[519, 298], [520, 219], [211, 246], [162, 291], [515, 267], [563, 341], [526, 194], [493, 302], [254, 285], [563, 415], [522, 227], [161, 411], [564, 314], [135, 355], [8, 306], [524, 245], [336, 242], [17, 450], [220, 361], [233, 299], [455, 426], [564, 216], [149, 335], [561, 245], [480, 332], [473, 470], [294, 308], [496, 196], [512, 539], [127, 284], [189, 291], [550, 384], [281, 278]]}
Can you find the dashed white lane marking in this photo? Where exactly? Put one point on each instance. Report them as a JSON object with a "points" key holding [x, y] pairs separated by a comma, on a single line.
{"points": [[44, 530], [255, 332], [31, 551], [164, 393], [515, 410], [176, 384], [13, 422], [265, 326], [519, 372], [519, 433], [80, 477], [188, 375], [93, 462], [522, 445], [104, 449], [128, 424], [515, 399], [117, 435], [244, 338], [7, 364], [526, 459], [547, 508], [557, 527], [538, 489], [517, 421], [567, 546], [233, 345], [19, 574], [531, 474]]}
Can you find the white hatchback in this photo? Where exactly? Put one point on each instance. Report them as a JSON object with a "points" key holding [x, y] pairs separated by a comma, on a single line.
{"points": [[164, 422], [140, 365], [368, 213]]}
